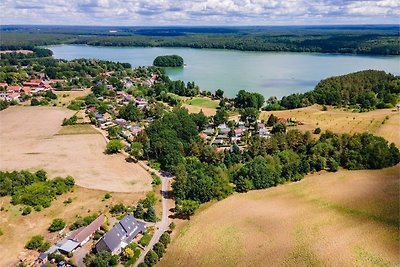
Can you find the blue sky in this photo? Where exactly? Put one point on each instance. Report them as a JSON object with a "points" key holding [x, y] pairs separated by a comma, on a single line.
{"points": [[199, 12]]}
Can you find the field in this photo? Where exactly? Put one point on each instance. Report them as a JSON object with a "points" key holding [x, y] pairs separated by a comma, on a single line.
{"points": [[19, 229], [208, 106], [348, 218], [383, 122], [65, 97], [33, 138]]}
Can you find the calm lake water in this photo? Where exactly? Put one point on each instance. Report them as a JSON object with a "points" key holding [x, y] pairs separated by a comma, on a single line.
{"points": [[269, 73]]}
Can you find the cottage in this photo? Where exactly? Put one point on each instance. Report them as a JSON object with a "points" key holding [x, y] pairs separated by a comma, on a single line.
{"points": [[135, 130], [82, 235], [121, 235], [223, 128], [140, 102], [263, 132]]}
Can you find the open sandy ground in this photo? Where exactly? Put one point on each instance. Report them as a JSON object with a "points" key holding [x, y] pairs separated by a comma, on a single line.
{"points": [[348, 218], [33, 138], [341, 121], [19, 229]]}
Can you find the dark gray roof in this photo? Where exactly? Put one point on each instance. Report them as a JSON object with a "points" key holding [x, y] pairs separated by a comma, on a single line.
{"points": [[125, 231]]}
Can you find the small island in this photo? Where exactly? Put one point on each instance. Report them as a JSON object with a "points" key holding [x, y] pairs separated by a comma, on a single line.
{"points": [[168, 61]]}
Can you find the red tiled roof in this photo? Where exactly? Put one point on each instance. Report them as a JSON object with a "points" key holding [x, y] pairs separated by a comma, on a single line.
{"points": [[281, 120], [26, 89], [14, 88], [3, 85]]}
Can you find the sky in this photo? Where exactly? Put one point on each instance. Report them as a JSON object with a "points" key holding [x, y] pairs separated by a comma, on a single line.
{"points": [[198, 12]]}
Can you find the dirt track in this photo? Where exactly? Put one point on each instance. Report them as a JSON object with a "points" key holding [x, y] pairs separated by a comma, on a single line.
{"points": [[29, 139]]}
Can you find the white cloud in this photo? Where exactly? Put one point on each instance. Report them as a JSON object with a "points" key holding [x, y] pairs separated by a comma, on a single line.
{"points": [[201, 12]]}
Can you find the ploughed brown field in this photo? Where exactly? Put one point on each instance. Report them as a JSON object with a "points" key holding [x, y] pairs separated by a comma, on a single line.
{"points": [[347, 218], [33, 138], [382, 122], [18, 229]]}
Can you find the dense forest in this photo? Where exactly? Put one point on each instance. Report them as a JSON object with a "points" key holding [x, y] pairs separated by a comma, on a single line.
{"points": [[378, 39], [168, 61], [367, 90]]}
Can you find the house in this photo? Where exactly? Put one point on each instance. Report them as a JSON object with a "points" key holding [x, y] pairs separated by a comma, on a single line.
{"points": [[223, 128], [4, 85], [13, 88], [121, 122], [82, 236], [26, 90], [282, 120], [260, 125], [263, 132], [140, 102], [13, 96], [209, 131], [135, 130], [203, 136], [238, 132], [121, 235]]}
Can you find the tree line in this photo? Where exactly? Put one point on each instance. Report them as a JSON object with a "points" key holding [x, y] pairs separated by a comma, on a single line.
{"points": [[367, 90]]}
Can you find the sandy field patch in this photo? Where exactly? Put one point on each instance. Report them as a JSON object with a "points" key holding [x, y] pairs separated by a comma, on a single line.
{"points": [[65, 97], [33, 138], [340, 121], [19, 229], [348, 218]]}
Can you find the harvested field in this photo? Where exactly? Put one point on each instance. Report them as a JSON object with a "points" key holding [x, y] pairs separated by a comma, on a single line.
{"points": [[33, 138], [348, 218], [65, 97], [383, 122], [19, 229]]}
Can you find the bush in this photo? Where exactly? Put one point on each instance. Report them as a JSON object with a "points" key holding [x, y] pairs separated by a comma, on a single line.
{"points": [[156, 179], [70, 121], [26, 210], [159, 249], [45, 246], [165, 239], [107, 196], [35, 242], [114, 146], [151, 258], [118, 208], [317, 130], [1, 232], [57, 225], [35, 102], [171, 226], [83, 221]]}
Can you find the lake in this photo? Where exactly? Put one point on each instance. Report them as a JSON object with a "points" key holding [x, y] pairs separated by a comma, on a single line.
{"points": [[269, 73]]}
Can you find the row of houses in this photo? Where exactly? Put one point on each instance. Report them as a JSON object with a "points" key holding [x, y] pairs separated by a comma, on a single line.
{"points": [[119, 236], [32, 87], [223, 134]]}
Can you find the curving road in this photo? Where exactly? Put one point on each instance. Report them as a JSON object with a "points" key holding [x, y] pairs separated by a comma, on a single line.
{"points": [[162, 225]]}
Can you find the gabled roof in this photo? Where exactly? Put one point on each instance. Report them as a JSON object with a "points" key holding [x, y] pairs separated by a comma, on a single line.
{"points": [[127, 228], [87, 231]]}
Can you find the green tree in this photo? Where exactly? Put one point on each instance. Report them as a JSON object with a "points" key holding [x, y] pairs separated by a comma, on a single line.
{"points": [[278, 128], [114, 146], [151, 258], [104, 259], [165, 239], [35, 242], [187, 207], [57, 225], [136, 150], [219, 93], [159, 249]]}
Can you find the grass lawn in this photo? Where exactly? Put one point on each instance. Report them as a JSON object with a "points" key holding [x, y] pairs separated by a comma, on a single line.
{"points": [[202, 102]]}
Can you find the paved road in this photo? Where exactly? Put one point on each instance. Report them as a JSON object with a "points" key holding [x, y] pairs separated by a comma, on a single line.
{"points": [[162, 226]]}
